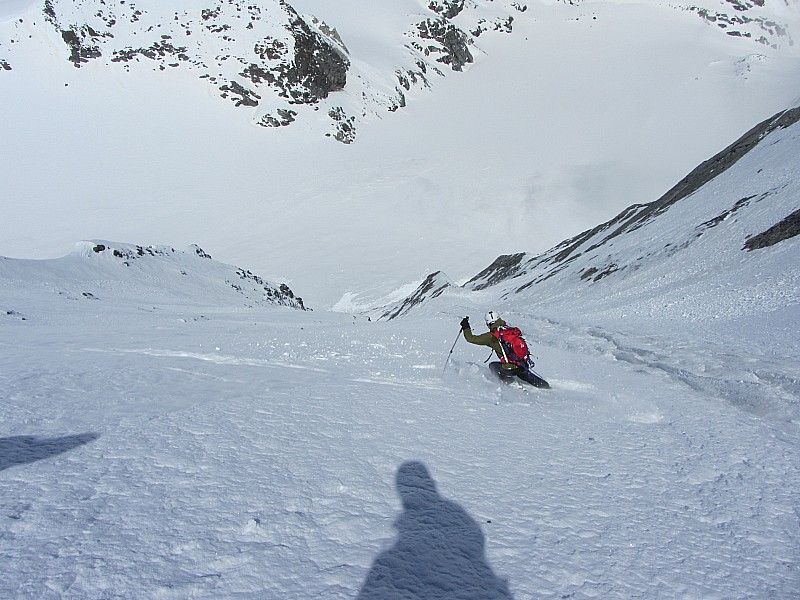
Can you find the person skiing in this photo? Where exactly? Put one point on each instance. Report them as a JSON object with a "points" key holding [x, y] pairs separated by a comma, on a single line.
{"points": [[493, 322], [508, 345]]}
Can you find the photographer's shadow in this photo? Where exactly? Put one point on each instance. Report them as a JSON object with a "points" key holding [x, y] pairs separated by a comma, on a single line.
{"points": [[439, 552]]}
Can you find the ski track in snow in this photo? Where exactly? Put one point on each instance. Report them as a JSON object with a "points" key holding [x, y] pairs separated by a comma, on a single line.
{"points": [[736, 373]]}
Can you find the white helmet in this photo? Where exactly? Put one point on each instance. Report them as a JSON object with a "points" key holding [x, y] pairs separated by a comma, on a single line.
{"points": [[491, 317]]}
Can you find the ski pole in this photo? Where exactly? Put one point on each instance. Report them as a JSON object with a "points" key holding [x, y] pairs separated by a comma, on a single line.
{"points": [[451, 352]]}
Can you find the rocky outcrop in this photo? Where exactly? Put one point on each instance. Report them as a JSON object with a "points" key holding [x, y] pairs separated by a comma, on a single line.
{"points": [[504, 267], [447, 8], [783, 230], [318, 68], [315, 68], [266, 51], [267, 58], [195, 266], [745, 21], [452, 44], [434, 286]]}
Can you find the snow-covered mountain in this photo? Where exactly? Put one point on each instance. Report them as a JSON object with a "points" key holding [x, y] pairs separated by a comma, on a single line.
{"points": [[730, 225], [721, 244], [280, 64], [107, 271], [153, 124], [285, 65]]}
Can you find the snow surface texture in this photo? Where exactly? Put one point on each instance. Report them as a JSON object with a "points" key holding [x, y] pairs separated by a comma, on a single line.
{"points": [[156, 448], [582, 109]]}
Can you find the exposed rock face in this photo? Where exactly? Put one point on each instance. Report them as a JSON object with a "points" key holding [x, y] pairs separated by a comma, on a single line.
{"points": [[447, 8], [740, 24], [318, 69], [434, 285], [278, 52], [504, 267], [80, 42], [266, 57], [785, 229], [452, 48], [282, 118], [344, 126]]}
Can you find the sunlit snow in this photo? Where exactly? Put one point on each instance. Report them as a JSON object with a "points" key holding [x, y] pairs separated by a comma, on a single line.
{"points": [[173, 426], [157, 444]]}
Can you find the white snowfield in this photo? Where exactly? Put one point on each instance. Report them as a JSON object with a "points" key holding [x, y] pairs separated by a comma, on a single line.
{"points": [[161, 444], [172, 427]]}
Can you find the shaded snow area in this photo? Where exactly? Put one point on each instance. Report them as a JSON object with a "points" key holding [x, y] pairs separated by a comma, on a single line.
{"points": [[151, 448]]}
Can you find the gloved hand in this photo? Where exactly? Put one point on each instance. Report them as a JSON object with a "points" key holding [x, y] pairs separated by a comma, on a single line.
{"points": [[465, 323]]}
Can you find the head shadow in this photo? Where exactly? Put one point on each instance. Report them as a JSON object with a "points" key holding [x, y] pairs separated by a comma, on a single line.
{"points": [[439, 551], [20, 450]]}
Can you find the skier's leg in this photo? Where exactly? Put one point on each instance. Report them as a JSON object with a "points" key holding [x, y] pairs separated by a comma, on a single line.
{"points": [[503, 371]]}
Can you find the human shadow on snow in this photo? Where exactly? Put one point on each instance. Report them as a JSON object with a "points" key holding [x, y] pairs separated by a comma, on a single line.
{"points": [[439, 552], [20, 450]]}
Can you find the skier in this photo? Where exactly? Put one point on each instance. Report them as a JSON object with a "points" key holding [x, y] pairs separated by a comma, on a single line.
{"points": [[508, 345], [493, 322]]}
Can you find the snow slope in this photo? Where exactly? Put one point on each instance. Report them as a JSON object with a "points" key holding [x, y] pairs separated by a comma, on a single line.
{"points": [[716, 258], [583, 109], [153, 446], [169, 430]]}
